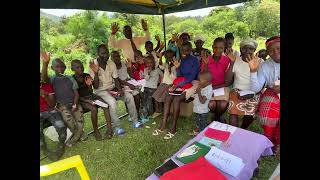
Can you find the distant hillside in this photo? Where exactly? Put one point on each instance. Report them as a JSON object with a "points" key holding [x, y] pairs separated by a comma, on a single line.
{"points": [[50, 16]]}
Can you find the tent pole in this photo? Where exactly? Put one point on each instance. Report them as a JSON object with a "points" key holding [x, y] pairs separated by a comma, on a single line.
{"points": [[164, 30]]}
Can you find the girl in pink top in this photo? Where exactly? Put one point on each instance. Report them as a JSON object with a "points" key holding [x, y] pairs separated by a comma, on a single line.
{"points": [[218, 65]]}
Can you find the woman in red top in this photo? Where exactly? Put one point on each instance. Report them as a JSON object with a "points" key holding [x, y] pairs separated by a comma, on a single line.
{"points": [[218, 65]]}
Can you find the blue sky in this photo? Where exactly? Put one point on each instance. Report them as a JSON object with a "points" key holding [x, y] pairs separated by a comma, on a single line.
{"points": [[198, 12]]}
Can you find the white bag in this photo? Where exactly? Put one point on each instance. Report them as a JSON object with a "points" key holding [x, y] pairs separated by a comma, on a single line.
{"points": [[52, 134]]}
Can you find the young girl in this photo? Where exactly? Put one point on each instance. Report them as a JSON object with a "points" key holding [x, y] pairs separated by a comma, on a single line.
{"points": [[168, 77], [151, 75], [136, 69]]}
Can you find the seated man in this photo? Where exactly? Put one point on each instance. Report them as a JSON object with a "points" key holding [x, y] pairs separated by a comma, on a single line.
{"points": [[268, 75], [103, 84], [48, 113]]}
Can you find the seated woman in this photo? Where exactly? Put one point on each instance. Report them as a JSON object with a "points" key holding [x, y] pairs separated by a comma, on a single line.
{"points": [[268, 74], [242, 106], [218, 65], [187, 69]]}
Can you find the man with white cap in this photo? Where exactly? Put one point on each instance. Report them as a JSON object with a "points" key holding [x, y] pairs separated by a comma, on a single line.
{"points": [[242, 101], [198, 42]]}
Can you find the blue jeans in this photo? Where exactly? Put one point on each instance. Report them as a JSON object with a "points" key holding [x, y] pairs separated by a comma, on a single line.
{"points": [[201, 120]]}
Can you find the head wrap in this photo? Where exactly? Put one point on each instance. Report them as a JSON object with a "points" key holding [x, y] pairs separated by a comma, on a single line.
{"points": [[268, 43], [249, 42], [199, 37]]}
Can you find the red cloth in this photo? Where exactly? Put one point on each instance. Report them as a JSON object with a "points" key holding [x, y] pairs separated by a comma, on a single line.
{"points": [[269, 115], [217, 69], [217, 134], [137, 71], [181, 79], [199, 169], [44, 106]]}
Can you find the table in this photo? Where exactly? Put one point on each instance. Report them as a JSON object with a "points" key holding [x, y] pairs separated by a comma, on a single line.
{"points": [[247, 145]]}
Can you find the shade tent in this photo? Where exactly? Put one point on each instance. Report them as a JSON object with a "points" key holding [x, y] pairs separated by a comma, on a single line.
{"points": [[153, 7]]}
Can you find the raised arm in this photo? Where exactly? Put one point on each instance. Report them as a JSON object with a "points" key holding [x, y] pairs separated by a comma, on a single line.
{"points": [[229, 74], [257, 78], [44, 72], [113, 43], [158, 43], [94, 70]]}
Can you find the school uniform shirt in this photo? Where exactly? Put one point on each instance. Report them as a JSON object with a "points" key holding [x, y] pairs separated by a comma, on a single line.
{"points": [[241, 72], [47, 88], [189, 68], [152, 79], [218, 69], [64, 87], [106, 76], [198, 107], [123, 72], [125, 44], [267, 74], [168, 77]]}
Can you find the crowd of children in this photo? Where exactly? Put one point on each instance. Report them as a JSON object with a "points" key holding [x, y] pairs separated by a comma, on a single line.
{"points": [[185, 74]]}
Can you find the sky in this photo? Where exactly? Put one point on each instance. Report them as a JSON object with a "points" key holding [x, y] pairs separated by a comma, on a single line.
{"points": [[198, 12]]}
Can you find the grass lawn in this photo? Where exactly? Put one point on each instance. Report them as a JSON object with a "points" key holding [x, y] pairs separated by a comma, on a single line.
{"points": [[135, 155]]}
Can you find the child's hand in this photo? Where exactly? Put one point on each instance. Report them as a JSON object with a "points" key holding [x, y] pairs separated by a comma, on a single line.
{"points": [[176, 62], [175, 37], [204, 56], [45, 57], [144, 24], [94, 67], [74, 107], [230, 54], [161, 46], [88, 80], [172, 88], [129, 63], [157, 37]]}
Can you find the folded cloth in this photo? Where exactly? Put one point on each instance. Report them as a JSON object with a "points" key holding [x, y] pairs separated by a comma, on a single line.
{"points": [[199, 169], [217, 134], [181, 79]]}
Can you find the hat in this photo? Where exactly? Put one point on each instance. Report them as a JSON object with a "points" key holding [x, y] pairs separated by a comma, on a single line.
{"points": [[199, 37], [249, 42]]}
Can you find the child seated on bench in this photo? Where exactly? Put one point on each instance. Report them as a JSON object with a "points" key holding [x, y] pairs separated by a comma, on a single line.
{"points": [[87, 97], [67, 96], [49, 113]]}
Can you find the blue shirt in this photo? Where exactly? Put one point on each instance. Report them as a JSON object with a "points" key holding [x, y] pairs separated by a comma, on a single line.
{"points": [[267, 74], [189, 68]]}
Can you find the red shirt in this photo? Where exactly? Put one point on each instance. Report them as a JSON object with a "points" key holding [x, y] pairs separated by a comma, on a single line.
{"points": [[44, 106], [137, 71], [218, 69]]}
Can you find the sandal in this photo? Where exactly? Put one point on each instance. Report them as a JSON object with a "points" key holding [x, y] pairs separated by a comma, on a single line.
{"points": [[157, 132], [169, 135]]}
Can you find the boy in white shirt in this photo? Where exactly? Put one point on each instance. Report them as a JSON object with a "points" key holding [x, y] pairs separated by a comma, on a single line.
{"points": [[201, 100]]}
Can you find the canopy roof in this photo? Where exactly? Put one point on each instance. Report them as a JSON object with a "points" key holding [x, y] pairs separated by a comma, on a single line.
{"points": [[155, 7]]}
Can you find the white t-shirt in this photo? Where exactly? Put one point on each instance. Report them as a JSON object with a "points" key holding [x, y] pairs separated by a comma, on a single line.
{"points": [[241, 72], [198, 107], [122, 72]]}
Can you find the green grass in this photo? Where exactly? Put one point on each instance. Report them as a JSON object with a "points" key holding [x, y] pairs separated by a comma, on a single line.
{"points": [[137, 154]]}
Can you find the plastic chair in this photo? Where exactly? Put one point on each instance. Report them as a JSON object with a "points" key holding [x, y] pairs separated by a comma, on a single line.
{"points": [[62, 165]]}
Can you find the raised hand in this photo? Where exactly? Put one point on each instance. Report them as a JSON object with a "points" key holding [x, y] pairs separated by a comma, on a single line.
{"points": [[161, 46], [204, 56], [114, 28], [45, 57], [88, 80], [176, 62], [144, 24], [230, 54], [94, 67], [253, 62], [157, 37], [175, 37]]}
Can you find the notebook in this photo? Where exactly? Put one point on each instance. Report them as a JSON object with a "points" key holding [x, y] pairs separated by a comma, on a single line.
{"points": [[210, 142], [192, 152], [217, 134], [165, 167]]}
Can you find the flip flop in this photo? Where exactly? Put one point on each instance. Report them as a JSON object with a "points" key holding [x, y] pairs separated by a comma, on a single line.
{"points": [[157, 132], [169, 135]]}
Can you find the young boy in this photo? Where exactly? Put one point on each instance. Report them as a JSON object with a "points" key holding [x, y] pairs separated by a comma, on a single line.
{"points": [[201, 101], [152, 75], [87, 97], [106, 79], [124, 77], [67, 96], [153, 52], [48, 113]]}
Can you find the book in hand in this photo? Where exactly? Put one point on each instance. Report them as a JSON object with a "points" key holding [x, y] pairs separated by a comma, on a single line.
{"points": [[165, 167], [193, 152]]}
